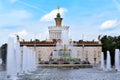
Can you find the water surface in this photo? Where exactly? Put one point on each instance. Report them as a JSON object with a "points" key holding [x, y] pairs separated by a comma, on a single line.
{"points": [[68, 74]]}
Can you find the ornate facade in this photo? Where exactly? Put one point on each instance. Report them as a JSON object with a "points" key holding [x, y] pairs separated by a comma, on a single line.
{"points": [[90, 50]]}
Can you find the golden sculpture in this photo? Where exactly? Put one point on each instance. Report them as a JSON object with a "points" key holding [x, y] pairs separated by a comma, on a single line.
{"points": [[58, 9]]}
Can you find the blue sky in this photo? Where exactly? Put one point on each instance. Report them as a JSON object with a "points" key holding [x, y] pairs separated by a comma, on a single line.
{"points": [[31, 18]]}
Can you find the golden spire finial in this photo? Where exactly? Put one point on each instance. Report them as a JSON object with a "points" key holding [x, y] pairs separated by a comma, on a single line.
{"points": [[58, 9]]}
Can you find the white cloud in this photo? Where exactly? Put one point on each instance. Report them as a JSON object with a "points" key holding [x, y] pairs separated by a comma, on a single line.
{"points": [[13, 18], [21, 33], [51, 15], [109, 24]]}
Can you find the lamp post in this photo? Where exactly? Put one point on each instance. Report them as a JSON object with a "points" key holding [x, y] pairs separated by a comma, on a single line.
{"points": [[94, 57], [35, 42], [35, 47], [83, 47], [39, 56], [83, 51], [86, 55]]}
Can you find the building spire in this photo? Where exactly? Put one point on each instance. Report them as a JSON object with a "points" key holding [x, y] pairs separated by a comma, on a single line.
{"points": [[58, 19], [58, 9], [58, 12]]}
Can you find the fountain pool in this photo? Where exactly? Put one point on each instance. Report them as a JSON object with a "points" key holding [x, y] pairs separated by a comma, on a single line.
{"points": [[68, 74]]}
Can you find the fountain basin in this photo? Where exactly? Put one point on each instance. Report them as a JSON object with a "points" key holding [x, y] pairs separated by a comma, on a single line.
{"points": [[65, 65]]}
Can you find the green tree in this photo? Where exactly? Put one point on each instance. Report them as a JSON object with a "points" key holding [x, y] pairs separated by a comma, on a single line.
{"points": [[110, 43], [4, 52], [117, 40]]}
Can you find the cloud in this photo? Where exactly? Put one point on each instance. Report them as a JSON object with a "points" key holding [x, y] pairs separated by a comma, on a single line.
{"points": [[14, 18], [20, 33], [109, 24], [51, 15]]}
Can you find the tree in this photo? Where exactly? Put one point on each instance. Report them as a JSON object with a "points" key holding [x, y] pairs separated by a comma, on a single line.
{"points": [[110, 43], [4, 52]]}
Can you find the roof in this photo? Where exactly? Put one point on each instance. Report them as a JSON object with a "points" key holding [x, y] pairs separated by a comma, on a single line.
{"points": [[53, 43]]}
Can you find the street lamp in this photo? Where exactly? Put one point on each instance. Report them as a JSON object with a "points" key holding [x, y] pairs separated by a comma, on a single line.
{"points": [[94, 57]]}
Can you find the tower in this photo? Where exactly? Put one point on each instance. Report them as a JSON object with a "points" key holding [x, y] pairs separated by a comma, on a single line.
{"points": [[56, 31], [58, 19]]}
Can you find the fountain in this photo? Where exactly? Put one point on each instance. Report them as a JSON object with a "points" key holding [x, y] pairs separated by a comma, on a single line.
{"points": [[18, 57], [16, 63], [117, 59], [64, 48], [31, 61], [11, 60], [108, 65], [24, 60], [28, 61], [0, 61], [102, 61], [1, 67], [0, 57], [34, 61]]}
